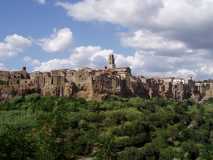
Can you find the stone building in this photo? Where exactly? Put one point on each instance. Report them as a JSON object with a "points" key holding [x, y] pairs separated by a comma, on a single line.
{"points": [[96, 84], [111, 62]]}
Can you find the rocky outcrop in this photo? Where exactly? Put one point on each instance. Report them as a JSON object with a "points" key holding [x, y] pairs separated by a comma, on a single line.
{"points": [[95, 84]]}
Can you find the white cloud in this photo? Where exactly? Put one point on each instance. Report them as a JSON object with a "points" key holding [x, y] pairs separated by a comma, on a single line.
{"points": [[41, 1], [91, 56], [141, 62], [132, 12], [30, 61], [3, 67], [197, 66], [168, 57], [53, 64], [169, 37], [59, 41], [164, 13], [185, 73], [207, 68], [84, 56], [144, 39], [13, 44], [189, 21], [185, 13]]}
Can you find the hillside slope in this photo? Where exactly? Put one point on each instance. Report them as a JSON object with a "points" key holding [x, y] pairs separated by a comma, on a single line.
{"points": [[55, 128]]}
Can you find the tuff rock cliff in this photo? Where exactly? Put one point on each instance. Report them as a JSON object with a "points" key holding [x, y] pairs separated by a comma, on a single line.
{"points": [[93, 84]]}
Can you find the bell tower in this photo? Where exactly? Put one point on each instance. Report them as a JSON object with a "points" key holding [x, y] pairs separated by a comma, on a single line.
{"points": [[24, 68], [111, 62]]}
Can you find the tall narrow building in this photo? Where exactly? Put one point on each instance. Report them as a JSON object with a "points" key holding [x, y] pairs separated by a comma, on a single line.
{"points": [[111, 62]]}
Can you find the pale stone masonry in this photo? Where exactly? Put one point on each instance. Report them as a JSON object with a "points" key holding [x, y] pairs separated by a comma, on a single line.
{"points": [[111, 61], [97, 84]]}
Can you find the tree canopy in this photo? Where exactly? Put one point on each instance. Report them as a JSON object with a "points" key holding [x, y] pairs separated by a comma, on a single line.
{"points": [[55, 128]]}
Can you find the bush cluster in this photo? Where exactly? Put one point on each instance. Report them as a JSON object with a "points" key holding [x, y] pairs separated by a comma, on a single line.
{"points": [[56, 128]]}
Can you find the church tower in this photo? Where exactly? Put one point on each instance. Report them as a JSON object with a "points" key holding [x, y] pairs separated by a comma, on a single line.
{"points": [[111, 62], [24, 68]]}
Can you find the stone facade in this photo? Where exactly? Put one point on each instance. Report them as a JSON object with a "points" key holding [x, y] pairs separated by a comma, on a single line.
{"points": [[93, 84], [111, 62]]}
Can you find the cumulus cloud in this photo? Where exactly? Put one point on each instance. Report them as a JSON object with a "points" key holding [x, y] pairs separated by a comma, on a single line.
{"points": [[185, 13], [189, 21], [170, 37], [165, 57], [113, 11], [141, 62], [165, 13], [59, 41], [91, 56], [195, 65], [30, 61], [3, 67], [53, 64], [146, 40], [13, 45], [84, 56]]}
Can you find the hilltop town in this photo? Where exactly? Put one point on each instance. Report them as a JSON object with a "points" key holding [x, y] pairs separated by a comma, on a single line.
{"points": [[97, 84]]}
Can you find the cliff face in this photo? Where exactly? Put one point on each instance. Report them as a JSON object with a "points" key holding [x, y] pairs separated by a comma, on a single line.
{"points": [[98, 84]]}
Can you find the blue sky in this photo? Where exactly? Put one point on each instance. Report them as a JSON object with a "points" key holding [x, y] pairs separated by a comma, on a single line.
{"points": [[31, 19], [154, 38]]}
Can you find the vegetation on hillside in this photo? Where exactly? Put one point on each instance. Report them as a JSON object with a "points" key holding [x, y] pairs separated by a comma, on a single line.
{"points": [[55, 128]]}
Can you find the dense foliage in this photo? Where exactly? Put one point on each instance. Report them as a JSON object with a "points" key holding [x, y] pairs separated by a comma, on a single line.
{"points": [[55, 128]]}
